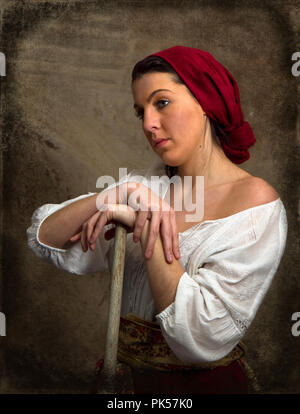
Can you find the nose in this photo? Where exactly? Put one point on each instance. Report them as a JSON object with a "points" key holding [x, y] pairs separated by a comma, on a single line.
{"points": [[151, 121]]}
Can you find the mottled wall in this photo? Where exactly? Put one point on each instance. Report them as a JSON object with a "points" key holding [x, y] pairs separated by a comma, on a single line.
{"points": [[67, 118]]}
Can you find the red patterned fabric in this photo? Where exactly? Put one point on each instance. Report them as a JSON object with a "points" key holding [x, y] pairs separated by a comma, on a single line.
{"points": [[230, 379], [147, 365]]}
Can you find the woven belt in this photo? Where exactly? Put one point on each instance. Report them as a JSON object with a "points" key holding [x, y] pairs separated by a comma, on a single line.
{"points": [[142, 345]]}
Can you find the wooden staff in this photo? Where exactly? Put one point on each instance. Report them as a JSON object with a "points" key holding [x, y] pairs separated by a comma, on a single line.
{"points": [[108, 372]]}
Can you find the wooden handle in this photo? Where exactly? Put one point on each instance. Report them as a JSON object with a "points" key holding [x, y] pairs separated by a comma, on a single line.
{"points": [[116, 287]]}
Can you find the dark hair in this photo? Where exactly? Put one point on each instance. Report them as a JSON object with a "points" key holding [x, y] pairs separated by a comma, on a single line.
{"points": [[156, 64]]}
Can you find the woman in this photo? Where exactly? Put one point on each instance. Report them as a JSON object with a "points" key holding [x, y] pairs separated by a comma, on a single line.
{"points": [[190, 290]]}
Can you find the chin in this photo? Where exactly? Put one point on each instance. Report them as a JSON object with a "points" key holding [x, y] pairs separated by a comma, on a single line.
{"points": [[170, 160]]}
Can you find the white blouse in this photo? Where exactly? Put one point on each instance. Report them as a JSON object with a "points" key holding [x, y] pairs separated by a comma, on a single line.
{"points": [[229, 265]]}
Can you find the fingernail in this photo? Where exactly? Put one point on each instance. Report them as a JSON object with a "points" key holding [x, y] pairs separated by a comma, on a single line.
{"points": [[170, 259], [135, 239]]}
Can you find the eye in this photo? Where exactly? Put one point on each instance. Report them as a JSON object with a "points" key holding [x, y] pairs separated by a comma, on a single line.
{"points": [[161, 103], [139, 114]]}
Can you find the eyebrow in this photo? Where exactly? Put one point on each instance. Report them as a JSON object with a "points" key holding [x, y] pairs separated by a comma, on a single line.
{"points": [[151, 95]]}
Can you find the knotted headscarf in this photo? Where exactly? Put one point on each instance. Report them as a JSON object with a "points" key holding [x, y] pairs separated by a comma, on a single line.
{"points": [[217, 92]]}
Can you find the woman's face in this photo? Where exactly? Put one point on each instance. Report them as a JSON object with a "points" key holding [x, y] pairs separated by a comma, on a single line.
{"points": [[172, 119]]}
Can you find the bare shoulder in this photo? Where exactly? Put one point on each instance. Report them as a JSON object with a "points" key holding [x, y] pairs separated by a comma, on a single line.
{"points": [[256, 191]]}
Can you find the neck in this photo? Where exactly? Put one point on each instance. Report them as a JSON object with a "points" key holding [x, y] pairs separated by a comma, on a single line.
{"points": [[210, 162]]}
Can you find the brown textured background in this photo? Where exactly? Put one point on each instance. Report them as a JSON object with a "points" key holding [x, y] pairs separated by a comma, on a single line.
{"points": [[67, 118]]}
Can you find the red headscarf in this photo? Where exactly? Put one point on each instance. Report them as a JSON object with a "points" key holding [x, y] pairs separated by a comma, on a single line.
{"points": [[217, 92]]}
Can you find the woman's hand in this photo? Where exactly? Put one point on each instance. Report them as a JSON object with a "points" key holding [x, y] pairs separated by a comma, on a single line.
{"points": [[92, 228], [161, 216], [146, 205]]}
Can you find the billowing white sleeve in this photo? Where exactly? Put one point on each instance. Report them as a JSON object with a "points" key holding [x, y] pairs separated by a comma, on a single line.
{"points": [[219, 294], [73, 260]]}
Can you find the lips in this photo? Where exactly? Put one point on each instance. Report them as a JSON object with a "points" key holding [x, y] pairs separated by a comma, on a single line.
{"points": [[160, 142]]}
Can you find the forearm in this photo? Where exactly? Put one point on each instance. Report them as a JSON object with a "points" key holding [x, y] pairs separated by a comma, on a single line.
{"points": [[163, 277], [57, 229]]}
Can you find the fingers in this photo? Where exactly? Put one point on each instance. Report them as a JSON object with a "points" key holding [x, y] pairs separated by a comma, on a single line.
{"points": [[91, 224], [175, 242], [87, 229], [139, 225], [83, 239], [91, 229], [164, 222], [103, 219], [153, 233], [167, 239], [75, 237]]}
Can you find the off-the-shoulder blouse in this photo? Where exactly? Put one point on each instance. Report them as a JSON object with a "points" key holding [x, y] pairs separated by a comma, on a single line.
{"points": [[229, 264]]}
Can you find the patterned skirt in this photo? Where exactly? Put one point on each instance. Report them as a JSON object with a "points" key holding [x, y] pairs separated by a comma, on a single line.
{"points": [[147, 365]]}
